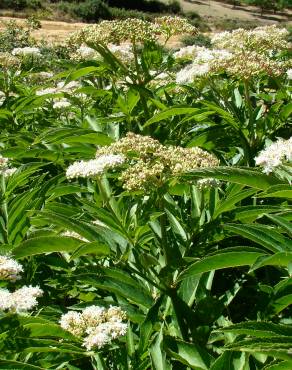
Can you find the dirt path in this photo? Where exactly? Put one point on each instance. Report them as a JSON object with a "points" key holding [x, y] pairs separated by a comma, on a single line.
{"points": [[216, 9]]}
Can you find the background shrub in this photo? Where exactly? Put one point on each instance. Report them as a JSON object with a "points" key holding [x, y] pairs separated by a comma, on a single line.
{"points": [[200, 40]]}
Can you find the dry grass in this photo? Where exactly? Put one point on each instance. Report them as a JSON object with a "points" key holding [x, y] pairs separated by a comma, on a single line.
{"points": [[51, 31]]}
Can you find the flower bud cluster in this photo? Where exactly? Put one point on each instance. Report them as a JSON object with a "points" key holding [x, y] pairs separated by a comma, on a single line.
{"points": [[168, 26], [275, 155], [242, 64], [208, 183], [261, 39], [246, 64], [8, 61], [96, 325], [132, 29], [9, 269], [151, 164], [21, 300]]}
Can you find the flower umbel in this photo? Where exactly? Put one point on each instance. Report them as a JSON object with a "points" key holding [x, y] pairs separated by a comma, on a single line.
{"points": [[96, 325], [275, 155]]}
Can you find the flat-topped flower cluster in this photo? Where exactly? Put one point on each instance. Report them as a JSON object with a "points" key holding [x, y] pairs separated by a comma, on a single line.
{"points": [[149, 163], [96, 325], [131, 30], [21, 300], [274, 156], [240, 53]]}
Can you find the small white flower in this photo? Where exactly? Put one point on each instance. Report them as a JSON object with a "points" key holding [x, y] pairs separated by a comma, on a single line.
{"points": [[208, 183], [8, 171], [45, 75], [289, 74], [26, 51], [21, 300], [275, 155], [3, 162], [9, 269], [61, 104], [93, 315], [5, 300], [187, 74], [49, 90], [73, 322], [94, 167]]}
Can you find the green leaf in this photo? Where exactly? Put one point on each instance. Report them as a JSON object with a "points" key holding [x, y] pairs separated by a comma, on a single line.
{"points": [[95, 248], [45, 244], [283, 365], [16, 365], [278, 259], [170, 112], [277, 191], [220, 261], [258, 329], [189, 354], [278, 347], [284, 224], [244, 176], [263, 235]]}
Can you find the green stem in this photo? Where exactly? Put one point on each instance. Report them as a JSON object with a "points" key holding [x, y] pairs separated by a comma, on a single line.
{"points": [[163, 227], [250, 110]]}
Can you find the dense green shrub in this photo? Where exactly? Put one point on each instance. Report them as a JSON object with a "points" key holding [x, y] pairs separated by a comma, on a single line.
{"points": [[15, 35], [20, 4], [120, 13], [200, 40], [152, 6], [89, 10], [92, 10]]}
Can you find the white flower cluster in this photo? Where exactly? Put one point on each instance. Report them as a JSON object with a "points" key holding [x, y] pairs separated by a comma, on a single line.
{"points": [[94, 167], [85, 53], [61, 103], [4, 170], [289, 74], [122, 51], [96, 325], [204, 60], [261, 39], [60, 88], [275, 155], [26, 51], [208, 183], [21, 300], [9, 269]]}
